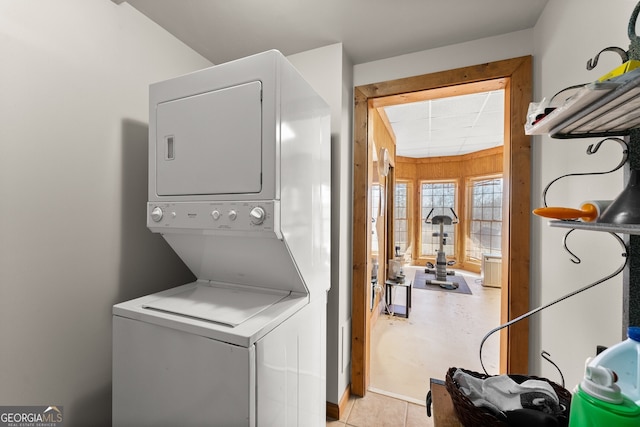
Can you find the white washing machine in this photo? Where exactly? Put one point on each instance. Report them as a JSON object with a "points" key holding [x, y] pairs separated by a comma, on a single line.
{"points": [[239, 186]]}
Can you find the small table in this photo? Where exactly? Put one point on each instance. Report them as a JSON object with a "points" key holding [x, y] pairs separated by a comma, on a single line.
{"points": [[395, 309]]}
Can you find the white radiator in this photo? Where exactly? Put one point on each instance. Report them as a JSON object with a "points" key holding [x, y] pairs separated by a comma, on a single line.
{"points": [[492, 270]]}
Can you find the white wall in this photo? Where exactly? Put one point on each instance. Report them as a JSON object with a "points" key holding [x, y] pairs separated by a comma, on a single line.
{"points": [[329, 71], [73, 188], [490, 49], [568, 33]]}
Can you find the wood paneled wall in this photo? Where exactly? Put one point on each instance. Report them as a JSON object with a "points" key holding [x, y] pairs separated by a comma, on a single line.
{"points": [[383, 138], [454, 168]]}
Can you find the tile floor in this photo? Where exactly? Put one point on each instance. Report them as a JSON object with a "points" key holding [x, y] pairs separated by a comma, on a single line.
{"points": [[377, 410], [443, 330]]}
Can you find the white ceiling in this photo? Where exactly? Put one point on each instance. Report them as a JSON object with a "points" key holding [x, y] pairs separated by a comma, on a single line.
{"points": [[223, 30], [448, 126]]}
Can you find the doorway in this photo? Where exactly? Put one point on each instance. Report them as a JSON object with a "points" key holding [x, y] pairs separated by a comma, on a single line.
{"points": [[516, 75]]}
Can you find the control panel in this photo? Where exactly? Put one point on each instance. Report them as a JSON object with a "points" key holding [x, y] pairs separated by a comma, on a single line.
{"points": [[222, 216]]}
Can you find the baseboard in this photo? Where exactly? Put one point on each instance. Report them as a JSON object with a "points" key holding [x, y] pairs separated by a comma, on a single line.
{"points": [[336, 411]]}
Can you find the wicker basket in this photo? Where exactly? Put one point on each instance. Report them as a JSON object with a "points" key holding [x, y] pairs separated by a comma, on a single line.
{"points": [[471, 416]]}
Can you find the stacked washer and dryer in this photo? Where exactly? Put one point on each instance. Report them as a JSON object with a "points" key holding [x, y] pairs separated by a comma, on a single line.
{"points": [[239, 186]]}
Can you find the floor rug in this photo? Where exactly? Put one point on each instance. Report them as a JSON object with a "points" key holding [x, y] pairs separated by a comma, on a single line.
{"points": [[419, 282]]}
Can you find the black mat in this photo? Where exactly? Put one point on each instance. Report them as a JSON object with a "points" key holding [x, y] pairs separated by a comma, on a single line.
{"points": [[419, 282]]}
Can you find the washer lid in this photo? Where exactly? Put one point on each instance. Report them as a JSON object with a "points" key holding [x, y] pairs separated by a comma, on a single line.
{"points": [[228, 306]]}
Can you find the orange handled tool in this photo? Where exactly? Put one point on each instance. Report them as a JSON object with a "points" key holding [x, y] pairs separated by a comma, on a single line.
{"points": [[587, 212]]}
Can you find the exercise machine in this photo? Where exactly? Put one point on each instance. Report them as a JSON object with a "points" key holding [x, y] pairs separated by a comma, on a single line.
{"points": [[440, 269]]}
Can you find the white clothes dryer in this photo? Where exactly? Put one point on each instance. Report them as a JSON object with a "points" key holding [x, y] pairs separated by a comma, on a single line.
{"points": [[239, 186]]}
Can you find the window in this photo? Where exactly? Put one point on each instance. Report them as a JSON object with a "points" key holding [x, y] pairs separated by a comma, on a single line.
{"points": [[400, 216], [485, 232], [441, 197]]}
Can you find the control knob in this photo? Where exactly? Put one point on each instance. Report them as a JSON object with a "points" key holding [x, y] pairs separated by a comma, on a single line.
{"points": [[233, 215], [156, 214], [257, 215]]}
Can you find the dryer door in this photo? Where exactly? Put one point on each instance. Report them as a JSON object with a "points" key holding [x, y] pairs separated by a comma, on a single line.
{"points": [[210, 143]]}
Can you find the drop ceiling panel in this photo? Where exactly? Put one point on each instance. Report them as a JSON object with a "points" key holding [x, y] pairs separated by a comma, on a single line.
{"points": [[407, 112], [445, 134], [493, 119], [454, 122], [411, 129], [458, 105], [495, 101], [448, 126]]}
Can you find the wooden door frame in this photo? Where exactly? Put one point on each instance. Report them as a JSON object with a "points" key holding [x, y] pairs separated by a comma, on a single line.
{"points": [[517, 72]]}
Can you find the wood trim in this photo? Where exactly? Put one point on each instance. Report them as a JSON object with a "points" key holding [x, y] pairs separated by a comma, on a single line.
{"points": [[451, 79], [516, 75], [518, 178], [437, 93], [359, 309], [336, 411]]}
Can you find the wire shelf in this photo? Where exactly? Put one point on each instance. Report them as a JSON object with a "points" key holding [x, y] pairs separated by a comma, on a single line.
{"points": [[598, 226], [598, 109]]}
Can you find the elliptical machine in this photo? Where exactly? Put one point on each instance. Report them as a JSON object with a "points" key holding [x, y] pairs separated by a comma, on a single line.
{"points": [[440, 269]]}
